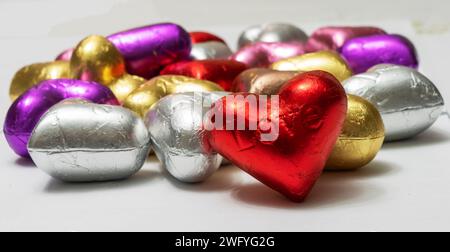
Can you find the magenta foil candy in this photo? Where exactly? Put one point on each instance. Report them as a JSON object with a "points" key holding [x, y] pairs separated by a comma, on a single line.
{"points": [[26, 111], [66, 55], [148, 49], [366, 52], [264, 54], [333, 37]]}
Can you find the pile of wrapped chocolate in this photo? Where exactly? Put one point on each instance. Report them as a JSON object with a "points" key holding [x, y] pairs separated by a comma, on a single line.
{"points": [[285, 107]]}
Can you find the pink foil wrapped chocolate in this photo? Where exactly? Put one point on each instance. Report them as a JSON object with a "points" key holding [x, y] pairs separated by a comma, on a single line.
{"points": [[334, 37], [263, 54], [66, 55]]}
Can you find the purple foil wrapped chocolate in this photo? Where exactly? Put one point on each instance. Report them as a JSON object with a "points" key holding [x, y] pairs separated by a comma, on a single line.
{"points": [[334, 37], [26, 111], [264, 54], [366, 52], [148, 49]]}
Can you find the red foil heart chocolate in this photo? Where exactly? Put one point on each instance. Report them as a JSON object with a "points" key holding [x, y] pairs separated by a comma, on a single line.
{"points": [[311, 112], [202, 37], [222, 72]]}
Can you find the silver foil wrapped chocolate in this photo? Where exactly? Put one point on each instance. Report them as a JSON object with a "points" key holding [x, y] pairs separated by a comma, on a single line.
{"points": [[179, 140], [210, 50], [407, 100], [76, 141], [272, 33]]}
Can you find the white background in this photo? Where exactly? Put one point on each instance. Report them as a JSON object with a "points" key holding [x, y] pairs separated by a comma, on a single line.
{"points": [[406, 188]]}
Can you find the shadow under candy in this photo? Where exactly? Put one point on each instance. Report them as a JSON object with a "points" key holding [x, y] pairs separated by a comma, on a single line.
{"points": [[333, 189], [141, 178], [226, 178], [25, 162], [430, 137], [375, 169], [152, 159]]}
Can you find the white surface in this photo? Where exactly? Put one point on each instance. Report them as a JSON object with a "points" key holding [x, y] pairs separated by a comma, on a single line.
{"points": [[406, 188]]}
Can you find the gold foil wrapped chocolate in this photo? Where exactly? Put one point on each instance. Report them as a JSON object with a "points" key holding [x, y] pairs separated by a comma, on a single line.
{"points": [[361, 139], [327, 61], [32, 75], [125, 85], [97, 59], [143, 98]]}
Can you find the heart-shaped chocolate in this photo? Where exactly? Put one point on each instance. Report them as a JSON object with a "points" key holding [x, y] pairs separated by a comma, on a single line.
{"points": [[290, 155]]}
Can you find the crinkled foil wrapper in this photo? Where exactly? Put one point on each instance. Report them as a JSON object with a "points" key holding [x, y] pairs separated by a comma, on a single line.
{"points": [[178, 138], [407, 100], [274, 32], [210, 50], [77, 141]]}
